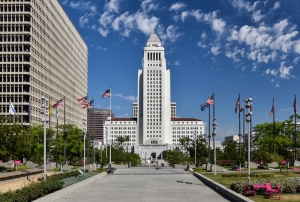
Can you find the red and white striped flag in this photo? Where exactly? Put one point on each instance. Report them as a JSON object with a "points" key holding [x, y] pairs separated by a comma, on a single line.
{"points": [[59, 103]]}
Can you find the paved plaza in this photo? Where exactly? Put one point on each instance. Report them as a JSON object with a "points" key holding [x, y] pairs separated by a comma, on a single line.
{"points": [[145, 184]]}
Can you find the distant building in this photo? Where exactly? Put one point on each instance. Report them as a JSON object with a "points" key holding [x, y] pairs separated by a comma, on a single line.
{"points": [[232, 138], [218, 145], [95, 121]]}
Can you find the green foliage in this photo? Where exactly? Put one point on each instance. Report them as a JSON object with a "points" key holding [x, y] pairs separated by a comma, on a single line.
{"points": [[73, 180], [61, 175], [32, 191]]}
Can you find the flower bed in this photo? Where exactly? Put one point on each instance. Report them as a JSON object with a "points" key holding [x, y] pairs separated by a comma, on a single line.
{"points": [[288, 185]]}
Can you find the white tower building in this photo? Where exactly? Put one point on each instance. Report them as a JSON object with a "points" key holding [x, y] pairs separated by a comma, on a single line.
{"points": [[154, 112]]}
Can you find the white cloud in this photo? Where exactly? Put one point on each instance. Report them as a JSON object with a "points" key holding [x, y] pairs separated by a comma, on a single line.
{"points": [[130, 97], [215, 50], [234, 54], [83, 20], [272, 72], [266, 42], [113, 6], [257, 16], [202, 45], [177, 63], [276, 5], [184, 14], [117, 107], [210, 18], [145, 24], [203, 35], [103, 32], [277, 85], [254, 68], [177, 6], [171, 33], [148, 5], [285, 71], [106, 18], [80, 5]]}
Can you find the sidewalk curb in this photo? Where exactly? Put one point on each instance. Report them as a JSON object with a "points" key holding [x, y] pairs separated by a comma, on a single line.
{"points": [[222, 190], [63, 192]]}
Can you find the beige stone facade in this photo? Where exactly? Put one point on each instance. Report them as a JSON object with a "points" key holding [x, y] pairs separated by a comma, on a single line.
{"points": [[41, 54]]}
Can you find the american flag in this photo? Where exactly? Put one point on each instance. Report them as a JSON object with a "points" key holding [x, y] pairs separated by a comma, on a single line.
{"points": [[243, 107], [210, 100], [59, 103], [204, 106], [295, 105], [272, 110], [88, 105], [106, 93], [82, 101], [237, 104]]}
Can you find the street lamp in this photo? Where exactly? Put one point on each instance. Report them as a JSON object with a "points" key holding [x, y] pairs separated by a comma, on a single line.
{"points": [[214, 142], [248, 120], [195, 137], [44, 108], [84, 136], [106, 137]]}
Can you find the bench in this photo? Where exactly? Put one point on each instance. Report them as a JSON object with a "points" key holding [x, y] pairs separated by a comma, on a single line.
{"points": [[296, 170]]}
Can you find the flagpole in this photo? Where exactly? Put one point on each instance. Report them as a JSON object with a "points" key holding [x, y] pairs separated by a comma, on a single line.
{"points": [[49, 133], [239, 126], [110, 121], [214, 133], [209, 136], [273, 125], [56, 136], [30, 124], [93, 133], [244, 127], [295, 133], [65, 136]]}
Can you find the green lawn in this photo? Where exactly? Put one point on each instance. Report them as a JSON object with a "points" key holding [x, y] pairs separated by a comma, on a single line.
{"points": [[227, 181]]}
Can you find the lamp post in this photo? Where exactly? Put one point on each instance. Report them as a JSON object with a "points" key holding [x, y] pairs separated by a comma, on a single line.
{"points": [[84, 136], [195, 138], [44, 120], [214, 143], [248, 120]]}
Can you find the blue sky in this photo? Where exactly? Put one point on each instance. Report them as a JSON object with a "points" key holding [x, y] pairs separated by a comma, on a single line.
{"points": [[225, 46]]}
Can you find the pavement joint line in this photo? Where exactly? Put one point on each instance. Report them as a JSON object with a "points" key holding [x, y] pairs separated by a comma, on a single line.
{"points": [[147, 188], [181, 188]]}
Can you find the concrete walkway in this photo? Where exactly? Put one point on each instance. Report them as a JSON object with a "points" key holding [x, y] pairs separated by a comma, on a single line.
{"points": [[145, 184]]}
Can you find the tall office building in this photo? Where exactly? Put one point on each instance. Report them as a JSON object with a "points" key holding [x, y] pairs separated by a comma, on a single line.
{"points": [[95, 121], [154, 126], [41, 54]]}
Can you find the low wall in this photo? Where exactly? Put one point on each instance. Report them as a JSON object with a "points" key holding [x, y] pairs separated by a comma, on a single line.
{"points": [[222, 190], [63, 192]]}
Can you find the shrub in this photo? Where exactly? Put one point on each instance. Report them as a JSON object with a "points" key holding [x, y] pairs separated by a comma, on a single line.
{"points": [[32, 192]]}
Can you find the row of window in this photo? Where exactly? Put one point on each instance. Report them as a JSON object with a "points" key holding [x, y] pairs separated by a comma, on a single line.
{"points": [[153, 135], [153, 65], [122, 128], [15, 37], [186, 128], [122, 132], [14, 47], [150, 101], [186, 132], [15, 8], [153, 56], [153, 71]]}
